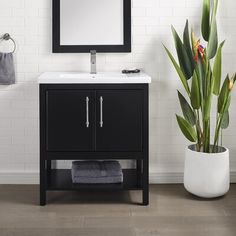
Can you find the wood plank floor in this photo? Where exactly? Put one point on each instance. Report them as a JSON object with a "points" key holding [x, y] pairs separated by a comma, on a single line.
{"points": [[172, 211]]}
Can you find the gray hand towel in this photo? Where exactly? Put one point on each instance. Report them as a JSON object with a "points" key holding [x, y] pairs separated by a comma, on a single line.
{"points": [[96, 168], [7, 70], [96, 172], [98, 180]]}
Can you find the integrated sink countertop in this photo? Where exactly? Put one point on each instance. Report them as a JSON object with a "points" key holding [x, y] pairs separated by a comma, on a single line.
{"points": [[99, 78]]}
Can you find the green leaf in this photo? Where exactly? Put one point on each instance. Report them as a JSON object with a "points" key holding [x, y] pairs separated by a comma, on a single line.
{"points": [[200, 70], [213, 41], [215, 8], [213, 37], [208, 94], [217, 70], [234, 77], [184, 60], [179, 71], [207, 108], [210, 87], [222, 99], [206, 19], [187, 45], [225, 120], [227, 103], [187, 110], [188, 131], [195, 95]]}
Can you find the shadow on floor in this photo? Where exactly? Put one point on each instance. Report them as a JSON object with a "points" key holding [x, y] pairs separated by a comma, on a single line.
{"points": [[29, 195], [178, 191], [91, 197]]}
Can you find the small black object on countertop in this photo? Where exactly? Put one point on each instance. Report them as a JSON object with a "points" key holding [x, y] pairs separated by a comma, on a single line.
{"points": [[132, 71]]}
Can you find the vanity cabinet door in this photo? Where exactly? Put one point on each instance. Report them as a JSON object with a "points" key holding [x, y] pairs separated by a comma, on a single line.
{"points": [[119, 120], [69, 120]]}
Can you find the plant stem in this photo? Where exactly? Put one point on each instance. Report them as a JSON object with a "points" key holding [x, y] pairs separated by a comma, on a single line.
{"points": [[199, 131], [217, 131], [221, 138], [220, 119], [215, 137], [206, 147]]}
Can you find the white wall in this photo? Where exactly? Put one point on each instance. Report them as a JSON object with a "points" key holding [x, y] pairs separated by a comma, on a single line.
{"points": [[29, 22]]}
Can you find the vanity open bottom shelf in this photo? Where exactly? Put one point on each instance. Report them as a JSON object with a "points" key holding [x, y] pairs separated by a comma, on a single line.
{"points": [[60, 179]]}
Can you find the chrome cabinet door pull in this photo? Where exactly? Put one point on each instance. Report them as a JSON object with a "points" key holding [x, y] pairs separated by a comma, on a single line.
{"points": [[87, 112], [101, 111]]}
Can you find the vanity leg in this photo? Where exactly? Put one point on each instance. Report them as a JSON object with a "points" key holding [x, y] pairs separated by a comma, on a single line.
{"points": [[42, 182], [139, 172], [49, 165], [145, 197], [42, 197], [145, 182]]}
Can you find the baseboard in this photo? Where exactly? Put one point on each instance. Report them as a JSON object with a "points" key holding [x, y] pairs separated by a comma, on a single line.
{"points": [[176, 177], [154, 177], [233, 177], [166, 178], [19, 178]]}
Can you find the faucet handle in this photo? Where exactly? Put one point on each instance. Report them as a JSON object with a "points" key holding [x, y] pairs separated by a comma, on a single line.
{"points": [[93, 56], [93, 52]]}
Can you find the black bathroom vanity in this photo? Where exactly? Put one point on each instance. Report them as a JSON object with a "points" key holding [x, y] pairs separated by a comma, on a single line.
{"points": [[82, 117]]}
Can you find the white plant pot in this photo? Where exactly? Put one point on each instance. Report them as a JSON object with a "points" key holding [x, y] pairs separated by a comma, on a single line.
{"points": [[206, 174]]}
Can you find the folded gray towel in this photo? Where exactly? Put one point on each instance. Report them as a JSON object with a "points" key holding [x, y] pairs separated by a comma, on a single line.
{"points": [[7, 70], [97, 180], [96, 168], [96, 172]]}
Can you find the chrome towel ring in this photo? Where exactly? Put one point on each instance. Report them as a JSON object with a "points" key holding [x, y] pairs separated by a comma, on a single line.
{"points": [[8, 37]]}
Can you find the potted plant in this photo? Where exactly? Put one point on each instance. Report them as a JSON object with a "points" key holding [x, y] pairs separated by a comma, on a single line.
{"points": [[206, 171]]}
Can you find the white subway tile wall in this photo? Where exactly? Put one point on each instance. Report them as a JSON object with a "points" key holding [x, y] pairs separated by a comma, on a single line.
{"points": [[29, 23]]}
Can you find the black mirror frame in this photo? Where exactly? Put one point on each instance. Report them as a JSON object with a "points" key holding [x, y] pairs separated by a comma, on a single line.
{"points": [[57, 48]]}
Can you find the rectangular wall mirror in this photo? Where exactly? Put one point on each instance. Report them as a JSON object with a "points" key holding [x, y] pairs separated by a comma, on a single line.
{"points": [[85, 25]]}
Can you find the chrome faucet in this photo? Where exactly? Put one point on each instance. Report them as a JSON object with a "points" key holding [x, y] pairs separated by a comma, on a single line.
{"points": [[93, 61]]}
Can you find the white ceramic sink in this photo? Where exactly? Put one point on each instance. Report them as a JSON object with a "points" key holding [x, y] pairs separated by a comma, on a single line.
{"points": [[91, 76], [86, 78]]}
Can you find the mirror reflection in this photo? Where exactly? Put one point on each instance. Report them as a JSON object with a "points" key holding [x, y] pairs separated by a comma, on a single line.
{"points": [[91, 22]]}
